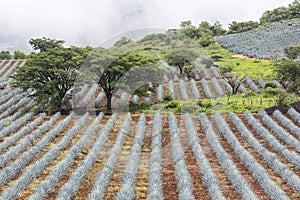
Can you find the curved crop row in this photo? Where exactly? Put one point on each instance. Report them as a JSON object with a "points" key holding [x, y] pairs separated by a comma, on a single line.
{"points": [[290, 156], [207, 174], [287, 123], [105, 174], [70, 188], [61, 168], [128, 181], [279, 131], [155, 175], [225, 160], [258, 172], [13, 168], [270, 158], [28, 140], [183, 177]]}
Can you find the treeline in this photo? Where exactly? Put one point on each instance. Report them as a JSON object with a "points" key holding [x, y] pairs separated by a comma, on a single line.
{"points": [[18, 54], [292, 11], [204, 33], [269, 16]]}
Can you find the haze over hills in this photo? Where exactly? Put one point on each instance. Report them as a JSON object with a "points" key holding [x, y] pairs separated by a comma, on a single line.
{"points": [[94, 22], [12, 43]]}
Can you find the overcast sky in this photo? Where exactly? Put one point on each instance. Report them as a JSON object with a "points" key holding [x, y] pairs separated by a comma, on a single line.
{"points": [[83, 22]]}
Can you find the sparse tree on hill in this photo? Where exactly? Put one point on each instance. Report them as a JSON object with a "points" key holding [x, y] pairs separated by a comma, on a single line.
{"points": [[238, 27], [217, 29], [235, 84]]}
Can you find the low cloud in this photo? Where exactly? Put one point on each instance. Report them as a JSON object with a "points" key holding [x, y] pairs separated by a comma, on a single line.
{"points": [[91, 22]]}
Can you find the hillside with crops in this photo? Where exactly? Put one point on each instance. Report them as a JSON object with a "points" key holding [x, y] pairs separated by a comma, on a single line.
{"points": [[147, 156], [198, 112], [266, 43]]}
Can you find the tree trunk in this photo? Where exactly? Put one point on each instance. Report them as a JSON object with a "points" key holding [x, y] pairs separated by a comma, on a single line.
{"points": [[180, 69], [108, 103]]}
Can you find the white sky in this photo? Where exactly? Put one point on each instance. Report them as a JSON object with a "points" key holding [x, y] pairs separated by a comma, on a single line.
{"points": [[83, 22]]}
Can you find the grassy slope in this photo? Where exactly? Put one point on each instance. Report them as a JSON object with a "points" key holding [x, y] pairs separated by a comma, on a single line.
{"points": [[242, 65], [237, 104]]}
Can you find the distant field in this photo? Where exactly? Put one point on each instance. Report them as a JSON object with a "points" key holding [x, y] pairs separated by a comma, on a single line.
{"points": [[266, 43]]}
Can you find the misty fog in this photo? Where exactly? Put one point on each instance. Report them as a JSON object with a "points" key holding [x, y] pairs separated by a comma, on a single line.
{"points": [[92, 22]]}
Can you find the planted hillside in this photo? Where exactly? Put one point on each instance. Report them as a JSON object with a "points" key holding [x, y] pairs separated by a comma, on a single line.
{"points": [[265, 43], [171, 116]]}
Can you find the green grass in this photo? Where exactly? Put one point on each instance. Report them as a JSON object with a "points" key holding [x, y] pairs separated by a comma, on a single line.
{"points": [[242, 65], [236, 103]]}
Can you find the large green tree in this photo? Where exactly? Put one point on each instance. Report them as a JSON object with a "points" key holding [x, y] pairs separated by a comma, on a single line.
{"points": [[217, 28], [122, 70], [51, 74], [181, 57], [203, 34], [288, 71], [43, 44]]}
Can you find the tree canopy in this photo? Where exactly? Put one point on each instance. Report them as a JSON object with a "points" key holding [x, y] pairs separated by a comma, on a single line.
{"points": [[181, 57], [43, 44], [288, 73], [282, 13], [292, 52], [238, 27], [203, 33], [122, 42], [123, 70], [51, 74]]}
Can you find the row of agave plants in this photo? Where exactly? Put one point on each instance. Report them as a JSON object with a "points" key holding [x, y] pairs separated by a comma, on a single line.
{"points": [[17, 153], [266, 43]]}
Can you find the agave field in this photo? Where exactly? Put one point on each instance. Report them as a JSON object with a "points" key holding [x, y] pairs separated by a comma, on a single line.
{"points": [[145, 156], [266, 43]]}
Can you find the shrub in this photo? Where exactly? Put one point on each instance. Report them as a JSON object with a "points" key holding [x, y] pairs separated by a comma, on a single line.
{"points": [[167, 97], [157, 107], [250, 93], [270, 92], [204, 104], [172, 104], [188, 108], [207, 61], [271, 85]]}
